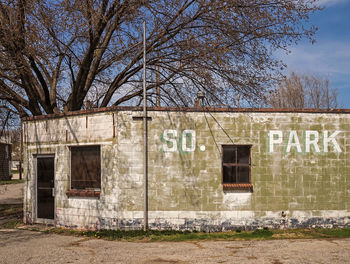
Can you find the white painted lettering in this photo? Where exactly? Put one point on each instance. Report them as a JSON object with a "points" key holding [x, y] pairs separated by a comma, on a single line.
{"points": [[311, 142], [331, 138], [169, 135], [293, 141], [191, 134], [275, 137]]}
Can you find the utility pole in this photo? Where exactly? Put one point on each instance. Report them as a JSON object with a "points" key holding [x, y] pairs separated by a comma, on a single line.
{"points": [[158, 86], [145, 137]]}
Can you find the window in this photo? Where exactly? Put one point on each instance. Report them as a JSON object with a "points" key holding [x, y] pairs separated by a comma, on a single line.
{"points": [[85, 171], [236, 167]]}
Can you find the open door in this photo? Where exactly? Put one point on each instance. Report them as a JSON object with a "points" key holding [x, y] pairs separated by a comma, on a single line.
{"points": [[45, 187]]}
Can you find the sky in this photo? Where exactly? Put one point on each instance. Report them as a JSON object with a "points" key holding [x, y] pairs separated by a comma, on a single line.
{"points": [[330, 55]]}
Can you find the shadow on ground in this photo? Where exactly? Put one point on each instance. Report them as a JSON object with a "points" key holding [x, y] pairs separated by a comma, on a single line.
{"points": [[10, 214], [11, 205]]}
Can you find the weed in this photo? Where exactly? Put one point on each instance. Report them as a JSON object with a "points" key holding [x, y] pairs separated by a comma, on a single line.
{"points": [[263, 233], [11, 224], [336, 232], [176, 236], [11, 182]]}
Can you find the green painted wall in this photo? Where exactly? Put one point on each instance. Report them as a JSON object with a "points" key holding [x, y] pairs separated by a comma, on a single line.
{"points": [[282, 181]]}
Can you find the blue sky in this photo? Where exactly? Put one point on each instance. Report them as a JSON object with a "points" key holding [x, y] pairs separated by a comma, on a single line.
{"points": [[330, 55]]}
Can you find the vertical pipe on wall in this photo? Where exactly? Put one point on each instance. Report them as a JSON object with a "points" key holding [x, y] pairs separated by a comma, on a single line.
{"points": [[21, 151], [113, 126], [145, 139]]}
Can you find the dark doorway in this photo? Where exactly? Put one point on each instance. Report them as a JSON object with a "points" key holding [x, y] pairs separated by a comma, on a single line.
{"points": [[45, 187]]}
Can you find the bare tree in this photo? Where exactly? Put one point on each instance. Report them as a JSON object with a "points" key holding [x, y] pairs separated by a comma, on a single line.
{"points": [[8, 120], [303, 91], [54, 54]]}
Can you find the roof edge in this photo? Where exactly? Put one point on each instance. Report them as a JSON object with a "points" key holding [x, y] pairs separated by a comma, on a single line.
{"points": [[188, 109]]}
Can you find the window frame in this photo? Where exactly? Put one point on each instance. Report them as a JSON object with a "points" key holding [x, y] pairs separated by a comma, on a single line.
{"points": [[244, 186], [93, 192]]}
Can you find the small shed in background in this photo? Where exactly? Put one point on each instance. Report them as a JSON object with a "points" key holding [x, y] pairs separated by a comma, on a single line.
{"points": [[5, 161]]}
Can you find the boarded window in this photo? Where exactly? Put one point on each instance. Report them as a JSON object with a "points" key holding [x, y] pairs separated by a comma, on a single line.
{"points": [[85, 167], [236, 167]]}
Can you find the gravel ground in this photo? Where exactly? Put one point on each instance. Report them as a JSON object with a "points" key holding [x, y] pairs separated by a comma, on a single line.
{"points": [[23, 246]]}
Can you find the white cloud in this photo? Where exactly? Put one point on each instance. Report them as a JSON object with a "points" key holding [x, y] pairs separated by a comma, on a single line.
{"points": [[330, 2], [323, 58], [329, 59]]}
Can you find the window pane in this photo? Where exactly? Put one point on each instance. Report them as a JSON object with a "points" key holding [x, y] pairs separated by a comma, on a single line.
{"points": [[243, 153], [229, 154], [45, 172], [229, 174], [85, 167], [243, 174]]}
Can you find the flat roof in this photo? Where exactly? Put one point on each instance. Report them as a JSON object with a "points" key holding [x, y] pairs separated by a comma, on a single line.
{"points": [[187, 109]]}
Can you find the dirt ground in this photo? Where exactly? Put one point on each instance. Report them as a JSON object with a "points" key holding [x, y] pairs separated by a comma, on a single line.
{"points": [[23, 246], [11, 193], [15, 176]]}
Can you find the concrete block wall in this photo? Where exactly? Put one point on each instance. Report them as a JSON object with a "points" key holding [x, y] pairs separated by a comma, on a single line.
{"points": [[310, 187]]}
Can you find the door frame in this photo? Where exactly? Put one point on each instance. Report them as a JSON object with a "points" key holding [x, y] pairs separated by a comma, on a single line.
{"points": [[44, 220]]}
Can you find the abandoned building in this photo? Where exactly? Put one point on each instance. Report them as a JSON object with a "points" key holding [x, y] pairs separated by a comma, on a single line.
{"points": [[5, 161], [208, 168]]}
